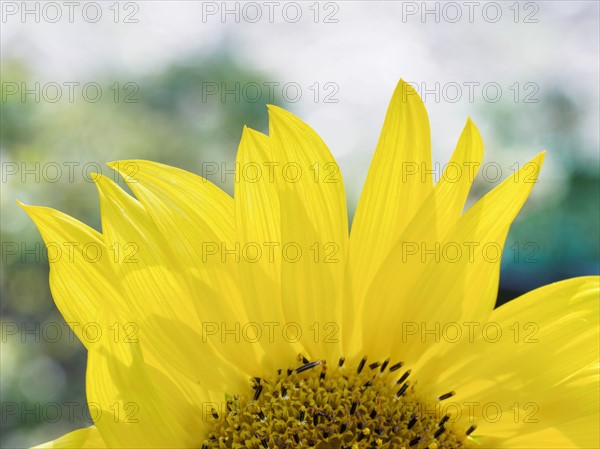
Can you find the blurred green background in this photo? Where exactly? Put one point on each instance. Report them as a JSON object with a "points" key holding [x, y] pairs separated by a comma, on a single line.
{"points": [[555, 237], [43, 367]]}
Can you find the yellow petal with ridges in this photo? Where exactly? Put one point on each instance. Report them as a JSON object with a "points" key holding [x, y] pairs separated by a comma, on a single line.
{"points": [[159, 295], [194, 215], [547, 438], [132, 404], [145, 266], [81, 279], [459, 277], [314, 230], [397, 184], [257, 221], [437, 215], [537, 362], [453, 188], [466, 287]]}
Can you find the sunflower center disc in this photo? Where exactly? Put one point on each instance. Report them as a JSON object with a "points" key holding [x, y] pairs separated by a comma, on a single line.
{"points": [[369, 406]]}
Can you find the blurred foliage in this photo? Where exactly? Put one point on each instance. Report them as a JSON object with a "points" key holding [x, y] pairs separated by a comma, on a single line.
{"points": [[172, 123], [560, 237]]}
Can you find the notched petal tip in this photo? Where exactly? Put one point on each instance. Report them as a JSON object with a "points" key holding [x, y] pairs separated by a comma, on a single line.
{"points": [[248, 132]]}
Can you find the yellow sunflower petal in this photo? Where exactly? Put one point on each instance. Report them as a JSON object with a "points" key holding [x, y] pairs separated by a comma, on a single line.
{"points": [[88, 438], [314, 230], [406, 262], [80, 274], [397, 184], [258, 226], [159, 296], [452, 190], [465, 265], [194, 215], [547, 438], [532, 366], [132, 404]]}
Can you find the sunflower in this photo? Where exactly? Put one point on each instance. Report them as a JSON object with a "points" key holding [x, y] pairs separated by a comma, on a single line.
{"points": [[259, 321]]}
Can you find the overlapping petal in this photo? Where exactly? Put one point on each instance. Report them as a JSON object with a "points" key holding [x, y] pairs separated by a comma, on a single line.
{"points": [[532, 367], [159, 296], [258, 234], [398, 182], [132, 404], [437, 215], [465, 265], [314, 230], [80, 272]]}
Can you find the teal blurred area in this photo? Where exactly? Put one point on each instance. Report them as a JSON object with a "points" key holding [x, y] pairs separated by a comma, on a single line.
{"points": [[169, 120]]}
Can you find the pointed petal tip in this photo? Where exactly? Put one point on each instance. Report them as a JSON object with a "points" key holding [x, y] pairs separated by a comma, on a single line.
{"points": [[127, 168], [118, 165], [539, 160], [475, 134], [276, 111], [104, 184], [41, 216], [98, 178], [407, 96], [471, 126], [406, 88], [247, 131], [250, 132], [31, 210], [280, 117]]}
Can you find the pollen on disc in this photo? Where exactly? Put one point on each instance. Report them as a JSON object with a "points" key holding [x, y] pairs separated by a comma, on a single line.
{"points": [[345, 407]]}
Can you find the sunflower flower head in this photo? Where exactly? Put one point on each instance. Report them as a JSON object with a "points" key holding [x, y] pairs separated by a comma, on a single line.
{"points": [[260, 321]]}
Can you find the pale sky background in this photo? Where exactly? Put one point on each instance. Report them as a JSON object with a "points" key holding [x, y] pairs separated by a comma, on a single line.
{"points": [[372, 45]]}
